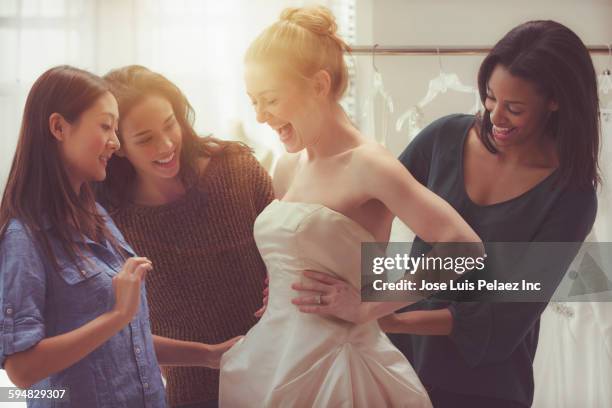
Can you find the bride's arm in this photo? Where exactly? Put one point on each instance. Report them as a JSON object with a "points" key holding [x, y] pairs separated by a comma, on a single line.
{"points": [[339, 299], [430, 217], [384, 178], [343, 301]]}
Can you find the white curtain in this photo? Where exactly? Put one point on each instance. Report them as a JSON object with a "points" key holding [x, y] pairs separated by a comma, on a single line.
{"points": [[198, 44], [35, 35]]}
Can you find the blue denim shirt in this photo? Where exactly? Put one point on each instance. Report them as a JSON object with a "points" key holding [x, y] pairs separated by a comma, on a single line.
{"points": [[38, 301]]}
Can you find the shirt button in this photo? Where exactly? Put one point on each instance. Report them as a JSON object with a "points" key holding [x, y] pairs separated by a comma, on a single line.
{"points": [[137, 350], [9, 311], [146, 385]]}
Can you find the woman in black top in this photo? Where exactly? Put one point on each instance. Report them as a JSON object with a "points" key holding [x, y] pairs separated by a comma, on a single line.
{"points": [[526, 170]]}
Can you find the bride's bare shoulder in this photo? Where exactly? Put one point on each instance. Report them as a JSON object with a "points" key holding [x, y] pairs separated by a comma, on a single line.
{"points": [[371, 153], [373, 167]]}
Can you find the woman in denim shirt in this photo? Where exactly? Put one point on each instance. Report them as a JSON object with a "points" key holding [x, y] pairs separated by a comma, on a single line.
{"points": [[73, 311]]}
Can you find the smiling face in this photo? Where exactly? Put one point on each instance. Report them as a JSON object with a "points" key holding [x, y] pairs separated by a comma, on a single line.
{"points": [[87, 144], [519, 113], [283, 103], [152, 139]]}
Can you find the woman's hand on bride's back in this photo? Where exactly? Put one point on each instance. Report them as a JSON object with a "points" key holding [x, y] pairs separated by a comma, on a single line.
{"points": [[214, 352], [336, 297]]}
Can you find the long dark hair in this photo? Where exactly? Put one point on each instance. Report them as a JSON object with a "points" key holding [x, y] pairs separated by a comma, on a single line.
{"points": [[556, 61], [38, 192], [130, 85]]}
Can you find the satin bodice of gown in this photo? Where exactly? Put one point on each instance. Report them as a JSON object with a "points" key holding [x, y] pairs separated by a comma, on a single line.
{"points": [[295, 359]]}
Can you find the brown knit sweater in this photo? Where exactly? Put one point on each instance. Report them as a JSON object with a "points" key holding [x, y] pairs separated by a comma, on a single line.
{"points": [[208, 275]]}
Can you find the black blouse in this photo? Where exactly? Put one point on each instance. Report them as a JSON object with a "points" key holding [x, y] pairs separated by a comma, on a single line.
{"points": [[492, 345]]}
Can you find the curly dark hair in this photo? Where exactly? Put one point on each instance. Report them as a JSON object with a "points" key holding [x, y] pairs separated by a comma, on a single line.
{"points": [[131, 85]]}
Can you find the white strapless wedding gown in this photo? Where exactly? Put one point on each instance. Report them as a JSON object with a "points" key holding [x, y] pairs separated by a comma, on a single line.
{"points": [[294, 359]]}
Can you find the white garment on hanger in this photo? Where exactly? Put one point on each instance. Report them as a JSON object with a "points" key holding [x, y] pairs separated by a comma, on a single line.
{"points": [[604, 82], [603, 222], [378, 108], [604, 87], [415, 119], [443, 83], [573, 363]]}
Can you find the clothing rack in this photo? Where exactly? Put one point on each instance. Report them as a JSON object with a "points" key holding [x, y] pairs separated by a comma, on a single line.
{"points": [[428, 50]]}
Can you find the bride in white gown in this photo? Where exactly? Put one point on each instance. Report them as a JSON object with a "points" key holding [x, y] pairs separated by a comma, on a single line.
{"points": [[335, 190]]}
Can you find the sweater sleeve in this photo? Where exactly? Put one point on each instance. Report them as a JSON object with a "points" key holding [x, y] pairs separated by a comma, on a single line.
{"points": [[489, 332]]}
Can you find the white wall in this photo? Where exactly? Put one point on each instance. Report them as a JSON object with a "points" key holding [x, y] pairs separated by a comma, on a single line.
{"points": [[454, 23]]}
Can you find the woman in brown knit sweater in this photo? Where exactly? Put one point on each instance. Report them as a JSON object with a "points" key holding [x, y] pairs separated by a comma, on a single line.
{"points": [[188, 204]]}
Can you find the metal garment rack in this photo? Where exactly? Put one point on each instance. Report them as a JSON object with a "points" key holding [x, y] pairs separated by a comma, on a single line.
{"points": [[463, 50]]}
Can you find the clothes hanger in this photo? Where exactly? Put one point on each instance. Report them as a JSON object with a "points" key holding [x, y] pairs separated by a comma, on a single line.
{"points": [[605, 79], [379, 87], [441, 84], [378, 91]]}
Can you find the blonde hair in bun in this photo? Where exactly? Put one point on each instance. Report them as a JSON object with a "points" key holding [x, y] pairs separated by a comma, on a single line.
{"points": [[305, 38]]}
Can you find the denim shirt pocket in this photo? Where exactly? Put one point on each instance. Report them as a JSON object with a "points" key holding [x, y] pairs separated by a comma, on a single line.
{"points": [[84, 290], [85, 268]]}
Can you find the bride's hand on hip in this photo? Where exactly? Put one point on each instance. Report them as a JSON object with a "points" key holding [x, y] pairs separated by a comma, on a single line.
{"points": [[336, 297]]}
